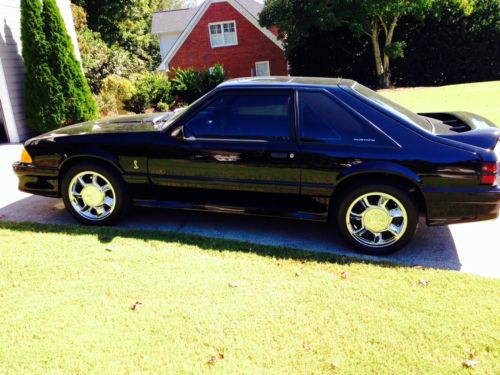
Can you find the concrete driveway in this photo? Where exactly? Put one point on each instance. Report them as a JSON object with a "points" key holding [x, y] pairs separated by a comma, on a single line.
{"points": [[472, 248]]}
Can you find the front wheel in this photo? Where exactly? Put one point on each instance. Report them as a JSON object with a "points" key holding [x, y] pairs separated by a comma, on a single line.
{"points": [[377, 219], [94, 194]]}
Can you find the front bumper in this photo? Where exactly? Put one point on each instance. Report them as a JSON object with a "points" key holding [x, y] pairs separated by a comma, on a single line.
{"points": [[36, 180], [447, 206]]}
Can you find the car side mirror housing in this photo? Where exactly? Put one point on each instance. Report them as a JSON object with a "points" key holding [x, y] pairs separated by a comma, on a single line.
{"points": [[180, 134]]}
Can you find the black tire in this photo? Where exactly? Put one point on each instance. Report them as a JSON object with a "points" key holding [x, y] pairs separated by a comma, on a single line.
{"points": [[120, 194], [405, 199]]}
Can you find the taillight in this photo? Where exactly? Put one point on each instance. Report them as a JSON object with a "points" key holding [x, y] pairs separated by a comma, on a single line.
{"points": [[489, 173]]}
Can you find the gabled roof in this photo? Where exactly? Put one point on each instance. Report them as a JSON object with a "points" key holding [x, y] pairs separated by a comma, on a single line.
{"points": [[175, 21], [249, 9], [171, 21]]}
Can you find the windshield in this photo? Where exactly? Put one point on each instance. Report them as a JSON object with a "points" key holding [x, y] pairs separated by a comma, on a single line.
{"points": [[392, 107]]}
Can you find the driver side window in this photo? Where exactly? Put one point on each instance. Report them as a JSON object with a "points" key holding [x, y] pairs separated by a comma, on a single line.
{"points": [[250, 117]]}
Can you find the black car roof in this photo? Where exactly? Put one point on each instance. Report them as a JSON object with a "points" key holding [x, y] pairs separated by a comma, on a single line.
{"points": [[283, 81]]}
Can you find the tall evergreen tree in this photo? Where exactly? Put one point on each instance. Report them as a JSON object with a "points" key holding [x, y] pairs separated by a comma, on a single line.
{"points": [[79, 103], [44, 100]]}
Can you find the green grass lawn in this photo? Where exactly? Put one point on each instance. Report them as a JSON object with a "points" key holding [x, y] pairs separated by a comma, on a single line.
{"points": [[482, 98], [66, 294]]}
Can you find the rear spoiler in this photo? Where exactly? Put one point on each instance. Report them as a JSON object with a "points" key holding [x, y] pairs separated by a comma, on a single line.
{"points": [[461, 122], [467, 128]]}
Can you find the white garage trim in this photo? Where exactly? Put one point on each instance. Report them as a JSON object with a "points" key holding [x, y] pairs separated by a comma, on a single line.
{"points": [[10, 123]]}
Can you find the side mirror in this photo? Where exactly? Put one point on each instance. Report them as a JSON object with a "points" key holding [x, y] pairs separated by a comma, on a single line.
{"points": [[180, 134]]}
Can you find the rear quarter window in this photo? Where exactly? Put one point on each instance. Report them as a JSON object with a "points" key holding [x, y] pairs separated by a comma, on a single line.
{"points": [[324, 120]]}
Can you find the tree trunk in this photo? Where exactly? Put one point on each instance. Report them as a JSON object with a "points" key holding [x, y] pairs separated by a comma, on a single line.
{"points": [[379, 63], [382, 60], [387, 72]]}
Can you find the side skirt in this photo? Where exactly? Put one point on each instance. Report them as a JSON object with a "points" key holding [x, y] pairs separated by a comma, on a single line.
{"points": [[256, 211]]}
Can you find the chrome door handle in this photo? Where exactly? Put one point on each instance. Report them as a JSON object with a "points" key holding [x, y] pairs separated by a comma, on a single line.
{"points": [[282, 155]]}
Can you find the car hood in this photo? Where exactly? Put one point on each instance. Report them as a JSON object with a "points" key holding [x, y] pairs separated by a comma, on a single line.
{"points": [[135, 123]]}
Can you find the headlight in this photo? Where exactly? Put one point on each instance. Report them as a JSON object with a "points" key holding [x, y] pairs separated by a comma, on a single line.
{"points": [[26, 157]]}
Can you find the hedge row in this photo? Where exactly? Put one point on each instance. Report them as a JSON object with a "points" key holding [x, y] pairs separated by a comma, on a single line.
{"points": [[155, 91], [453, 49]]}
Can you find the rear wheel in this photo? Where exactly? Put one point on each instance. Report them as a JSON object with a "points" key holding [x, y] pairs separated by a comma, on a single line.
{"points": [[94, 194], [377, 219]]}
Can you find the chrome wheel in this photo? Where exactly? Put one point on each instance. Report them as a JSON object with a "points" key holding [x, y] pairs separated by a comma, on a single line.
{"points": [[376, 220], [92, 196]]}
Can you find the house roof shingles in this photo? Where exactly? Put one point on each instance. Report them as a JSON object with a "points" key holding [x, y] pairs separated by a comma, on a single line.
{"points": [[175, 21]]}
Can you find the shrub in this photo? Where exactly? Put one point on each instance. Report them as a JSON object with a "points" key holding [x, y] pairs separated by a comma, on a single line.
{"points": [[151, 90], [44, 102], [79, 17], [106, 104], [115, 91], [121, 87], [162, 107], [79, 104], [189, 84], [213, 77], [100, 60]]}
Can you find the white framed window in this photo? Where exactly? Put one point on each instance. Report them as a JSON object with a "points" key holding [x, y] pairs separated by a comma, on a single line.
{"points": [[223, 34], [262, 68]]}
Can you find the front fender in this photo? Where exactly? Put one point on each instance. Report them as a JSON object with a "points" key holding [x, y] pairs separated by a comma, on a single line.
{"points": [[132, 168], [89, 154]]}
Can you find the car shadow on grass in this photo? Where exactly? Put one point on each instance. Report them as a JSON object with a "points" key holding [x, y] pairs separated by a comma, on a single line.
{"points": [[274, 237]]}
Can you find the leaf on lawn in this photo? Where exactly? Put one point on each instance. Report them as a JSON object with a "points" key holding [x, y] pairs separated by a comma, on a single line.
{"points": [[424, 282], [471, 360], [472, 355], [469, 363], [213, 359], [109, 248], [234, 284], [298, 273], [418, 267], [344, 275], [307, 346], [334, 365], [136, 306]]}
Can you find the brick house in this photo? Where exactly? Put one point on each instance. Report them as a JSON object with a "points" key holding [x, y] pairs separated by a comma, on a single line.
{"points": [[223, 32]]}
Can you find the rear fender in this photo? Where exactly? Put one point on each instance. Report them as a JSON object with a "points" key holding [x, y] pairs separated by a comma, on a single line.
{"points": [[379, 167]]}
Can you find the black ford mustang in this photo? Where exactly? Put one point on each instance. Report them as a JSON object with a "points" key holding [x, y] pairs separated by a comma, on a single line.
{"points": [[305, 148]]}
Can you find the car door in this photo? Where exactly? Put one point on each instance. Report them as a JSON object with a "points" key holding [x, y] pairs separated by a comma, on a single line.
{"points": [[238, 144]]}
